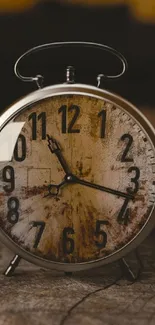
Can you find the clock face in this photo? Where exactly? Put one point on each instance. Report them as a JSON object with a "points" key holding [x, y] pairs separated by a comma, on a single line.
{"points": [[80, 185]]}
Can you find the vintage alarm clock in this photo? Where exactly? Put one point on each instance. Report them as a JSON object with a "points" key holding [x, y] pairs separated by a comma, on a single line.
{"points": [[77, 173]]}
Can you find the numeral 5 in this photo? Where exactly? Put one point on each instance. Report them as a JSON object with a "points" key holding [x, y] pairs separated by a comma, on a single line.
{"points": [[101, 234]]}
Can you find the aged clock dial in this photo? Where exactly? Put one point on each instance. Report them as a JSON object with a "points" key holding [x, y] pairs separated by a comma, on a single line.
{"points": [[80, 187]]}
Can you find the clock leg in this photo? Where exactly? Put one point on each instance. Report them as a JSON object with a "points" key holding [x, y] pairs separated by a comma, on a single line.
{"points": [[12, 266], [129, 272]]}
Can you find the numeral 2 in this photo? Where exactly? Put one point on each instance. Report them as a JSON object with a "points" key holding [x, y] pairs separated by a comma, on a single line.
{"points": [[70, 129], [129, 139], [35, 119]]}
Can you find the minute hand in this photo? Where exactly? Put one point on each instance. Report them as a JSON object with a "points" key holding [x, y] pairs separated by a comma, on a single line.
{"points": [[103, 188]]}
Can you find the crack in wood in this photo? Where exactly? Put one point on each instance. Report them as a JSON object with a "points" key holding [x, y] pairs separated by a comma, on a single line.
{"points": [[69, 312]]}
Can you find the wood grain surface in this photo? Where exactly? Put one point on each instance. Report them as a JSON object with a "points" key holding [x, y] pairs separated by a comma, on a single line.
{"points": [[102, 296]]}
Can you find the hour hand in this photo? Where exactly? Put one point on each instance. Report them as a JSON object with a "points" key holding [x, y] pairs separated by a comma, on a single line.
{"points": [[53, 189], [53, 144], [55, 148]]}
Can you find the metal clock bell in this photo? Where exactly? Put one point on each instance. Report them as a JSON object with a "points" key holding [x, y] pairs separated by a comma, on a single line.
{"points": [[77, 181]]}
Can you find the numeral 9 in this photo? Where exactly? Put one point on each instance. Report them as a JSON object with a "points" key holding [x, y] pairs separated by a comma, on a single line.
{"points": [[8, 176]]}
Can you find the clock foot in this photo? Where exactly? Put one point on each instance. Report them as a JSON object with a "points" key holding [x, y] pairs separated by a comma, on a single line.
{"points": [[12, 266], [68, 273], [130, 274]]}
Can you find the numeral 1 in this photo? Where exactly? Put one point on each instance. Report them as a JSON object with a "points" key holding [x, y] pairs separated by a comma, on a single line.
{"points": [[102, 115], [35, 118]]}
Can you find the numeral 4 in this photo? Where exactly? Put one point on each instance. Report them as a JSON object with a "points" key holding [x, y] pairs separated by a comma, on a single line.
{"points": [[124, 214]]}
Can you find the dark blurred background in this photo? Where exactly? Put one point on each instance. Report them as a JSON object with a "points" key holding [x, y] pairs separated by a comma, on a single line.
{"points": [[128, 26]]}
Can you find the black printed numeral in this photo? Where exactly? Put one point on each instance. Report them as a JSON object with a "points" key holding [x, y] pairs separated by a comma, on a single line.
{"points": [[124, 214], [101, 234], [8, 176], [65, 126], [41, 117], [129, 140], [13, 206], [102, 115], [40, 225], [134, 180], [68, 242], [20, 149]]}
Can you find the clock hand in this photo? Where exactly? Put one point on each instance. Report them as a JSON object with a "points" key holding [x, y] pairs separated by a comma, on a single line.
{"points": [[55, 148], [74, 179], [53, 189]]}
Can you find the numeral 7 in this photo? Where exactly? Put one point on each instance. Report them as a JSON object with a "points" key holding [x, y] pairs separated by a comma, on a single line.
{"points": [[41, 226]]}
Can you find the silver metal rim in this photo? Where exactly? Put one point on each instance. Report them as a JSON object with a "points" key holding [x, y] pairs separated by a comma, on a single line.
{"points": [[86, 90]]}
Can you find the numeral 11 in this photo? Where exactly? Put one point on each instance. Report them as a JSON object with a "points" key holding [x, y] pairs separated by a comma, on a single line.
{"points": [[35, 118]]}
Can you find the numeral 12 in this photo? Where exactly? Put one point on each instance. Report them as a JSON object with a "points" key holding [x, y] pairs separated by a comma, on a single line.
{"points": [[64, 111]]}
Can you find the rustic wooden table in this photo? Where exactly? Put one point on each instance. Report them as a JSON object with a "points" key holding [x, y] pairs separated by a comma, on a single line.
{"points": [[102, 296]]}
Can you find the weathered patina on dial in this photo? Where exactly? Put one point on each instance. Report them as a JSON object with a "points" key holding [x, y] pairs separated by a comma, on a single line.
{"points": [[87, 145]]}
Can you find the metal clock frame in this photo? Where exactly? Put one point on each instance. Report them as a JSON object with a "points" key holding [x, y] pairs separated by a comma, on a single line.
{"points": [[80, 89]]}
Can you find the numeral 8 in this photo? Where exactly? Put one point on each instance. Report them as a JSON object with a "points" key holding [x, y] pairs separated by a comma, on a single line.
{"points": [[13, 214]]}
